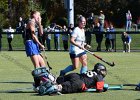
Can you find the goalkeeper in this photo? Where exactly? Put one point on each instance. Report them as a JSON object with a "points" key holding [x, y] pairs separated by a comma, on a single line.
{"points": [[74, 82]]}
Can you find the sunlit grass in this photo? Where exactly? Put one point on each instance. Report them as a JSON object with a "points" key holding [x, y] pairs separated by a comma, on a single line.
{"points": [[16, 80]]}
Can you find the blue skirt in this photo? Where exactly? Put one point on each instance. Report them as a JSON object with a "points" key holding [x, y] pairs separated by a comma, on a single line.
{"points": [[32, 48]]}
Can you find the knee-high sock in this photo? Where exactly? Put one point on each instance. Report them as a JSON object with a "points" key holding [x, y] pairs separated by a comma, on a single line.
{"points": [[83, 69], [68, 69]]}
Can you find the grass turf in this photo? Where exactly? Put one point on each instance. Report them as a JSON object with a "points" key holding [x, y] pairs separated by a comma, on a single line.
{"points": [[16, 79], [17, 42]]}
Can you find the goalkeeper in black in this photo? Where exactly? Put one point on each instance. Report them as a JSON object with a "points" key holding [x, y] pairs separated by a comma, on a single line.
{"points": [[75, 83]]}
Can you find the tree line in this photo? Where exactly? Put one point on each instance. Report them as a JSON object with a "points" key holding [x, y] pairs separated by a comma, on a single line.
{"points": [[54, 11]]}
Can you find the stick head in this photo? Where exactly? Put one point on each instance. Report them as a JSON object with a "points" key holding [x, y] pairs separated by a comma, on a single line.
{"points": [[111, 64]]}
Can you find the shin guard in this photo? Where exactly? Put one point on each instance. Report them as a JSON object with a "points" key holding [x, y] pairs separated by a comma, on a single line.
{"points": [[43, 74]]}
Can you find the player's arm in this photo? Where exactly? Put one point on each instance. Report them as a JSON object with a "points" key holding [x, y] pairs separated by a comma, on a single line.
{"points": [[34, 36], [40, 29], [72, 41], [40, 26], [100, 86]]}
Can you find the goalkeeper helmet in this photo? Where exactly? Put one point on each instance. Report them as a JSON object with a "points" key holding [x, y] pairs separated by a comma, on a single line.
{"points": [[100, 69]]}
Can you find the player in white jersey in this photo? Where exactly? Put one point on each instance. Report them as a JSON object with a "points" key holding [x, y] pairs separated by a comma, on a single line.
{"points": [[79, 35], [77, 48]]}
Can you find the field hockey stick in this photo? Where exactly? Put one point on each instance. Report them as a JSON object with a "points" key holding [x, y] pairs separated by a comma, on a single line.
{"points": [[111, 64], [45, 57], [130, 84], [137, 86], [115, 87]]}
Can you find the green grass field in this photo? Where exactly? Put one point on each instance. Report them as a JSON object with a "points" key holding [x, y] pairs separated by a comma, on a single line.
{"points": [[16, 80]]}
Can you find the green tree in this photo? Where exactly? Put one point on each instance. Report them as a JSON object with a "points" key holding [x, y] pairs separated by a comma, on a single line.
{"points": [[3, 12], [21, 8], [54, 10], [114, 9]]}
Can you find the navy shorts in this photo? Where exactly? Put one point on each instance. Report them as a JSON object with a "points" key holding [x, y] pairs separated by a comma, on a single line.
{"points": [[32, 48], [77, 55]]}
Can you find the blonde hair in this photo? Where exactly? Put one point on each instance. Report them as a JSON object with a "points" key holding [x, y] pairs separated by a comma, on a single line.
{"points": [[80, 18], [32, 13]]}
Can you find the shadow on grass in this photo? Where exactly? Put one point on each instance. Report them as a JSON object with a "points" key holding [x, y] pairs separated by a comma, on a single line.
{"points": [[14, 91], [18, 90], [124, 84], [17, 82], [25, 91]]}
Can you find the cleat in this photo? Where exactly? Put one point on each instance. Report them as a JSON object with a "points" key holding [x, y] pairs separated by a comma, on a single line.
{"points": [[36, 89]]}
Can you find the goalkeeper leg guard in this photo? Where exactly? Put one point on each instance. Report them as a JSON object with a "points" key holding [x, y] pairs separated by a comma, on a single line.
{"points": [[48, 88], [43, 74], [137, 87]]}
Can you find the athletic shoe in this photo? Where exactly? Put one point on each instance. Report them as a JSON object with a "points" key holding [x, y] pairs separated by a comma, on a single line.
{"points": [[123, 51], [36, 89], [137, 87], [47, 90]]}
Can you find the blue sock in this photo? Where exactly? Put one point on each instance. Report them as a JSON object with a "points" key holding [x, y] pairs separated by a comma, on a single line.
{"points": [[68, 69], [83, 69]]}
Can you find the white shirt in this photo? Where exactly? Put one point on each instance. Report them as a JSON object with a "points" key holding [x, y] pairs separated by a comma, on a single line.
{"points": [[128, 16], [79, 34], [102, 18], [9, 33]]}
